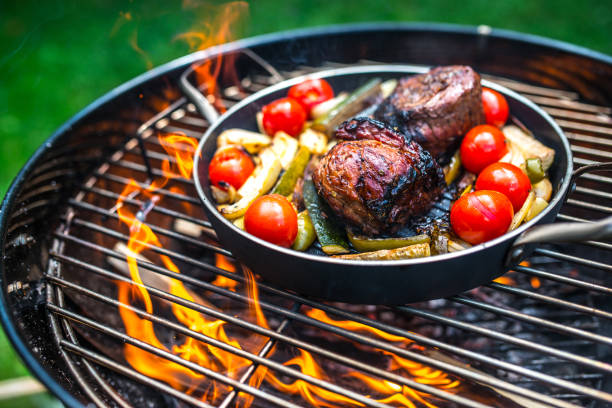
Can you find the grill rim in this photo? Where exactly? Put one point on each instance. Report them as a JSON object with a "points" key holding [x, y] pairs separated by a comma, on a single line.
{"points": [[9, 325]]}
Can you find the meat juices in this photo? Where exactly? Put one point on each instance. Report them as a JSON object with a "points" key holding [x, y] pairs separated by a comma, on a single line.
{"points": [[436, 108], [377, 180]]}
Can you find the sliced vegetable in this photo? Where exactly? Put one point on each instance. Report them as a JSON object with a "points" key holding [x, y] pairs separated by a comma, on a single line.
{"points": [[367, 244], [455, 244], [409, 252], [260, 182], [285, 148], [239, 222], [529, 146], [522, 213], [253, 142], [347, 108], [273, 219], [314, 140], [538, 205], [451, 171], [222, 196], [330, 235], [514, 156], [324, 107], [286, 182], [259, 119], [387, 87], [534, 169], [306, 233], [543, 189]]}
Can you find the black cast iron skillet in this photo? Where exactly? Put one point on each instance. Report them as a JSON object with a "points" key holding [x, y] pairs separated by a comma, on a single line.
{"points": [[391, 282]]}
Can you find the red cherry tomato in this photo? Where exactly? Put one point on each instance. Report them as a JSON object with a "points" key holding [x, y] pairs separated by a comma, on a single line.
{"points": [[481, 216], [230, 165], [284, 114], [273, 219], [483, 145], [495, 107], [311, 92], [507, 179]]}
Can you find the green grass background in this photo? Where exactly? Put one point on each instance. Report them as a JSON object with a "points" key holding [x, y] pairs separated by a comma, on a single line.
{"points": [[58, 56]]}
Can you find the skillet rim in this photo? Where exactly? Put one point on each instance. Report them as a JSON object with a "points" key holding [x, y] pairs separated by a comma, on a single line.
{"points": [[372, 69]]}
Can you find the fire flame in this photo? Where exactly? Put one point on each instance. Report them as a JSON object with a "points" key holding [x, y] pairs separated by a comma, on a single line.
{"points": [[219, 30], [180, 148]]}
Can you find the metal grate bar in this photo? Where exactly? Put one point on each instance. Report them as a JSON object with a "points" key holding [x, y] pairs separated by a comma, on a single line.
{"points": [[169, 356], [272, 334], [571, 114], [161, 191], [421, 340], [584, 127], [590, 191], [588, 139], [516, 341], [565, 279], [154, 228], [561, 328], [157, 208], [466, 373], [574, 259], [590, 206], [551, 300]]}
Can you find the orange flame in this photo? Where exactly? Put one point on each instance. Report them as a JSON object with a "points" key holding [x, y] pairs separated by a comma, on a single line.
{"points": [[210, 33], [224, 262]]}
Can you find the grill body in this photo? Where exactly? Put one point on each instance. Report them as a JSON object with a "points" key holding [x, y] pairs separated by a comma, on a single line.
{"points": [[37, 204]]}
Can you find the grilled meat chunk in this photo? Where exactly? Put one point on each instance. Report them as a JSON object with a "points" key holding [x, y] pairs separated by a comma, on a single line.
{"points": [[376, 180], [436, 108]]}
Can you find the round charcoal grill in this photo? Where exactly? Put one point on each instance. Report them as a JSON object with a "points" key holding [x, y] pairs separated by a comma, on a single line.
{"points": [[539, 337]]}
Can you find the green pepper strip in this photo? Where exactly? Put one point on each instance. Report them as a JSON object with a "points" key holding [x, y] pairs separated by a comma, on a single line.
{"points": [[367, 244]]}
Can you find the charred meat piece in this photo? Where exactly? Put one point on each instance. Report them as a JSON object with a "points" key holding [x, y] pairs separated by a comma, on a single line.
{"points": [[376, 181], [436, 108]]}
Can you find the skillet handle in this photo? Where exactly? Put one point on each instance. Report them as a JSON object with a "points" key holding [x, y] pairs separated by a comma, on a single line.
{"points": [[198, 99], [567, 232]]}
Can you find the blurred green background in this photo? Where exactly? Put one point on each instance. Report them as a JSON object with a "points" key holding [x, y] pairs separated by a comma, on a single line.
{"points": [[58, 56]]}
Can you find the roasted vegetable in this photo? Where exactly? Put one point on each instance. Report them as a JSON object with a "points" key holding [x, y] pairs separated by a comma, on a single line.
{"points": [[314, 140], [518, 218], [409, 252], [253, 142], [387, 87], [323, 108], [224, 196], [534, 169], [529, 146], [347, 108], [451, 171], [367, 244], [543, 189], [285, 148], [260, 182], [239, 222], [456, 244], [287, 181], [538, 205], [330, 235], [306, 232]]}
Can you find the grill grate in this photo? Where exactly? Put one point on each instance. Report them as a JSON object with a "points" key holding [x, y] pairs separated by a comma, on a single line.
{"points": [[540, 336]]}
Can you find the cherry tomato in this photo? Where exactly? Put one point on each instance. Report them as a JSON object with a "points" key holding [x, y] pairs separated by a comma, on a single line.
{"points": [[284, 114], [230, 165], [273, 219], [483, 145], [507, 179], [495, 107], [481, 216], [311, 93]]}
